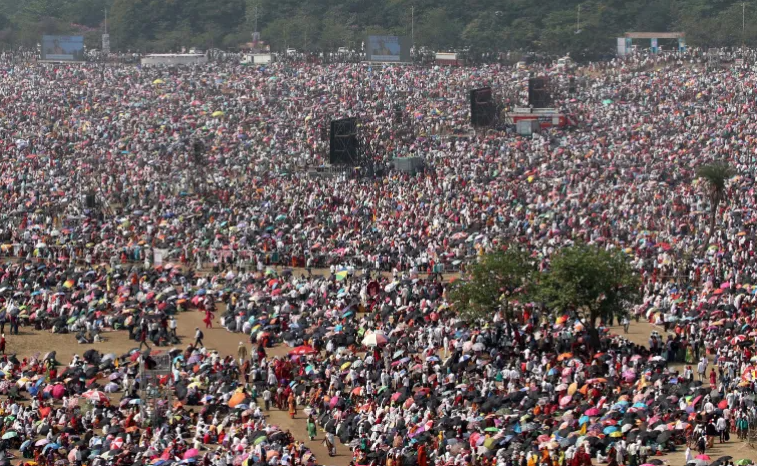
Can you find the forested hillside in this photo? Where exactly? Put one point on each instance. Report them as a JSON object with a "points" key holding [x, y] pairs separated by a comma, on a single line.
{"points": [[545, 25]]}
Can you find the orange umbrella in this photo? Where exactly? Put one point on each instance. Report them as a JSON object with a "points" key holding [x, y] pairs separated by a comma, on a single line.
{"points": [[236, 399]]}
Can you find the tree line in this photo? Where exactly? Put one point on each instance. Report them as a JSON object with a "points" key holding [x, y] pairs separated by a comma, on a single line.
{"points": [[587, 27]]}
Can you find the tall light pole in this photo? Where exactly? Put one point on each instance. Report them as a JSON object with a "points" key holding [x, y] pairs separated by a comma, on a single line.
{"points": [[412, 26], [578, 19], [743, 23]]}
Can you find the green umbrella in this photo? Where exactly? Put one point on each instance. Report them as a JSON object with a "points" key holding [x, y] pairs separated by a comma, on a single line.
{"points": [[9, 435], [491, 429], [260, 440], [741, 462]]}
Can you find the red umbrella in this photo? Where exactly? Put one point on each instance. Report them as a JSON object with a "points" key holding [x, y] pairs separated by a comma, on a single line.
{"points": [[96, 396], [303, 350]]}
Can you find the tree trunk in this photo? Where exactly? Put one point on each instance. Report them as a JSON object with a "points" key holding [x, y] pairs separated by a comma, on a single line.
{"points": [[713, 218], [593, 342]]}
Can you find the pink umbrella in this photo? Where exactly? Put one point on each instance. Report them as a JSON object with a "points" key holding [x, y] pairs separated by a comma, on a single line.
{"points": [[333, 401], [191, 453], [592, 412], [564, 401], [58, 391]]}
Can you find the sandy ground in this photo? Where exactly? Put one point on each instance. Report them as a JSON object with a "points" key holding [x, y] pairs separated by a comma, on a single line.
{"points": [[29, 342]]}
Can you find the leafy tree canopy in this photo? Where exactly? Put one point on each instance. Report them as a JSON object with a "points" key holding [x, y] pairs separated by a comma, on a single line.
{"points": [[484, 25], [589, 281], [492, 283]]}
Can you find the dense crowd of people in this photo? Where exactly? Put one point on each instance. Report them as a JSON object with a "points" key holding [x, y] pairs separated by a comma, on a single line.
{"points": [[134, 194]]}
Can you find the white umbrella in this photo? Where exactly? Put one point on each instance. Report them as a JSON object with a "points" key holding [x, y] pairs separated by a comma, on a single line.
{"points": [[374, 339]]}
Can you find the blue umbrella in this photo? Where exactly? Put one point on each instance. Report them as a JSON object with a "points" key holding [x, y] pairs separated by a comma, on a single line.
{"points": [[583, 420], [609, 430], [50, 446]]}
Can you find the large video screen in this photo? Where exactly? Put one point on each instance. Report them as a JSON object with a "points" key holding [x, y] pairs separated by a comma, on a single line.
{"points": [[388, 48], [63, 48]]}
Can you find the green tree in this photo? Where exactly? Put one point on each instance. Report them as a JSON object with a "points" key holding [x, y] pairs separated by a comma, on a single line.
{"points": [[437, 29], [333, 34], [591, 282], [715, 176], [492, 284]]}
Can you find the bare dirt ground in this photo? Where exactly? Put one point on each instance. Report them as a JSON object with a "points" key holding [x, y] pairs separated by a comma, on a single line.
{"points": [[30, 342]]}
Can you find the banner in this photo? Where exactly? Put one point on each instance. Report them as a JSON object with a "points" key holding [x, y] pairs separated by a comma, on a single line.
{"points": [[158, 255], [63, 48]]}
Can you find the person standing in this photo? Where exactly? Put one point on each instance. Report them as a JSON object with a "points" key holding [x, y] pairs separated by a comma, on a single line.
{"points": [[702, 368], [172, 324]]}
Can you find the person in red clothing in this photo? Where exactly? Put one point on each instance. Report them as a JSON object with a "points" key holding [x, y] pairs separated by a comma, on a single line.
{"points": [[208, 319]]}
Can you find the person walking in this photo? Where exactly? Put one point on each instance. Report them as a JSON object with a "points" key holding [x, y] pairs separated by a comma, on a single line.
{"points": [[198, 338], [241, 353], [292, 405], [143, 338], [311, 428]]}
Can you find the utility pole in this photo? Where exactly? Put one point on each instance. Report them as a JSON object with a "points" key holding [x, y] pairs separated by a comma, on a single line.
{"points": [[743, 23], [578, 19], [412, 25], [106, 20]]}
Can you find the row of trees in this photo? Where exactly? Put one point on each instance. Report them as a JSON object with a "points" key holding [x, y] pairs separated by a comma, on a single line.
{"points": [[554, 26], [582, 280]]}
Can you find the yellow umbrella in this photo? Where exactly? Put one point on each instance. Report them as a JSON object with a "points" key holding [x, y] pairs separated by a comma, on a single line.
{"points": [[346, 365], [217, 113], [158, 81]]}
